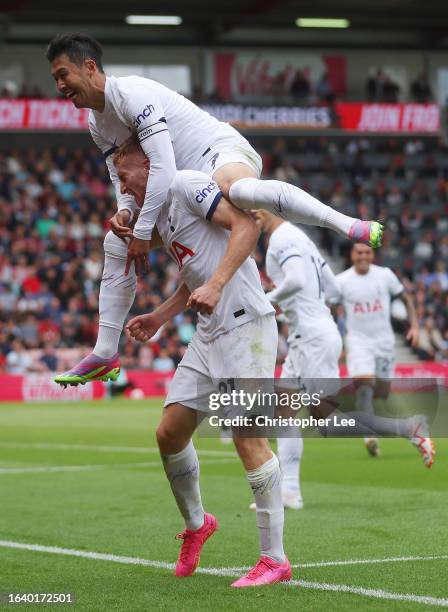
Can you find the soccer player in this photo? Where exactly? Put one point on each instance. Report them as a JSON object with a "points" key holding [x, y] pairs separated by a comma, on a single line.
{"points": [[210, 240], [300, 276], [366, 291], [174, 134]]}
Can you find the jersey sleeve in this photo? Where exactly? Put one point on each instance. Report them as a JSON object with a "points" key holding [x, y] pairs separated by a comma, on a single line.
{"points": [[198, 191], [143, 113], [284, 249], [394, 285], [124, 201]]}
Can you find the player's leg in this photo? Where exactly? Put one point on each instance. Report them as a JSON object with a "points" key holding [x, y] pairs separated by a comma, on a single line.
{"points": [[240, 183], [245, 353], [264, 477], [290, 442], [414, 428], [117, 293], [181, 462], [181, 416]]}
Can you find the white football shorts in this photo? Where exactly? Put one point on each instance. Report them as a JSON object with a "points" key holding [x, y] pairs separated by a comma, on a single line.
{"points": [[363, 360], [247, 351], [315, 359], [230, 150]]}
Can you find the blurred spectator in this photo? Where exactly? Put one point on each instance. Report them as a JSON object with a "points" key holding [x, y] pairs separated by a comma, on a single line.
{"points": [[420, 89], [18, 361], [163, 363], [431, 344], [391, 91], [300, 87], [324, 89]]}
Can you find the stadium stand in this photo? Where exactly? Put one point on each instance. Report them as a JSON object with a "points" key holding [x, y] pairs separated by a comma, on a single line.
{"points": [[54, 206]]}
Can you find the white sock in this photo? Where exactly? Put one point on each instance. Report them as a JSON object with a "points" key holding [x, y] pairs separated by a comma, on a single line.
{"points": [[117, 295], [182, 470], [364, 399], [290, 452], [265, 482], [288, 202]]}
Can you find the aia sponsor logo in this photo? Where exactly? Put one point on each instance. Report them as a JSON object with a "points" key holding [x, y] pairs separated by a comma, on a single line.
{"points": [[368, 307], [149, 108], [179, 251], [201, 194]]}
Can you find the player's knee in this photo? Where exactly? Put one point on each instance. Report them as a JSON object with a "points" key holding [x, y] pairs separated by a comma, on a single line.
{"points": [[252, 451], [167, 437], [114, 246], [242, 193]]}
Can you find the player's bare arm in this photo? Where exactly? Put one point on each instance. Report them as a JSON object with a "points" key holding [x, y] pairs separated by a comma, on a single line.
{"points": [[413, 332], [242, 241], [143, 327]]}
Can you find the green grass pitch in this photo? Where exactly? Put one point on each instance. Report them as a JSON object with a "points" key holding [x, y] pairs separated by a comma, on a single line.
{"points": [[81, 477]]}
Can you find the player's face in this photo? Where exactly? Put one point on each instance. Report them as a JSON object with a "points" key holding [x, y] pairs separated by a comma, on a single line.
{"points": [[73, 81], [362, 257], [133, 172]]}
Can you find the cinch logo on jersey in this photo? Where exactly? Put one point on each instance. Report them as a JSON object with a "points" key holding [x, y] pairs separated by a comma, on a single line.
{"points": [[149, 108], [179, 251], [201, 194], [367, 307]]}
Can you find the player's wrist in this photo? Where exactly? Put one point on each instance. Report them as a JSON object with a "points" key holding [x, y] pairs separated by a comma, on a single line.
{"points": [[142, 234]]}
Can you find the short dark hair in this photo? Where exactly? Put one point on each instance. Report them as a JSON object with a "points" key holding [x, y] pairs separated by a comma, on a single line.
{"points": [[78, 46], [131, 145]]}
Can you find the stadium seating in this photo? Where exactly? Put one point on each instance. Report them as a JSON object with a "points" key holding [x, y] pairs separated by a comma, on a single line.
{"points": [[54, 206]]}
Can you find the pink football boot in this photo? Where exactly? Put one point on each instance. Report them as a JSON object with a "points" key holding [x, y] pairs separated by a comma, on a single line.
{"points": [[193, 541], [267, 571]]}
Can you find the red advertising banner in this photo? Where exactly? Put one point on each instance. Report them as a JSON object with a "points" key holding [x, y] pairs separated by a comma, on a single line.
{"points": [[41, 388], [358, 117], [405, 118], [41, 115]]}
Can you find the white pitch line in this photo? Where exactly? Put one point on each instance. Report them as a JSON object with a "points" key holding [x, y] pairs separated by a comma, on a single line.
{"points": [[96, 466], [103, 449], [215, 571], [375, 593], [370, 561]]}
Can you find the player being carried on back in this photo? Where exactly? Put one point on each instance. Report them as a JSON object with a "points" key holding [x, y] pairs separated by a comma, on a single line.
{"points": [[174, 134], [210, 240]]}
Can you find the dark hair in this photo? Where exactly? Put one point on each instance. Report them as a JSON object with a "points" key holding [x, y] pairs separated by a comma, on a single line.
{"points": [[77, 46]]}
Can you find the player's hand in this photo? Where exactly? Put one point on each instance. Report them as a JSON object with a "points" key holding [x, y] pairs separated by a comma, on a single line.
{"points": [[119, 224], [413, 335], [138, 253], [204, 299], [143, 327]]}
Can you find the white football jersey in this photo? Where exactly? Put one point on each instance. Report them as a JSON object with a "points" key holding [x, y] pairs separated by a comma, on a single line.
{"points": [[198, 246], [305, 311], [366, 299], [173, 132]]}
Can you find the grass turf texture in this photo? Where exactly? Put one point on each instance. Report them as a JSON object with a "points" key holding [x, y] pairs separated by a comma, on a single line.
{"points": [[356, 507]]}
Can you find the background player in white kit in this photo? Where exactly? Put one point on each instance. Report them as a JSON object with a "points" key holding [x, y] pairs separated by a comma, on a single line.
{"points": [[174, 134], [236, 337], [300, 276], [366, 291]]}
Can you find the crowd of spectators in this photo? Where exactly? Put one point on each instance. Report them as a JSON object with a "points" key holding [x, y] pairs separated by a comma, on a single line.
{"points": [[54, 207], [289, 86], [404, 182], [381, 87]]}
